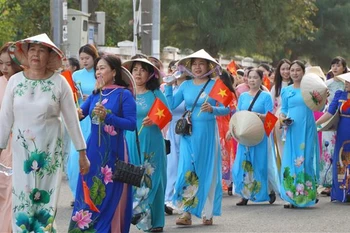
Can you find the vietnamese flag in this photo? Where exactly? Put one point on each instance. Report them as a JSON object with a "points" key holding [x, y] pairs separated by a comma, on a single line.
{"points": [[159, 114], [68, 75], [87, 198], [267, 82], [221, 93], [270, 121], [232, 67], [345, 105]]}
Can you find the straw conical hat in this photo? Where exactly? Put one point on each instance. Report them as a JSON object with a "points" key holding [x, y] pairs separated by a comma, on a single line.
{"points": [[247, 128], [344, 77], [127, 77], [313, 91], [19, 51], [331, 124], [186, 61], [315, 70], [128, 65]]}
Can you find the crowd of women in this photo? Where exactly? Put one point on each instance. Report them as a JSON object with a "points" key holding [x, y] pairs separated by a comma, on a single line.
{"points": [[57, 117]]}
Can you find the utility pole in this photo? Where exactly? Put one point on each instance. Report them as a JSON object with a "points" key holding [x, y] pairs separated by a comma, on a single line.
{"points": [[58, 10], [156, 29], [146, 27]]}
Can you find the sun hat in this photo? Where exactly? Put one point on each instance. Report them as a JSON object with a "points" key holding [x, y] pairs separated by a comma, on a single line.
{"points": [[344, 77], [316, 70], [247, 128], [314, 91], [331, 124], [184, 64], [128, 64], [19, 51], [127, 77]]}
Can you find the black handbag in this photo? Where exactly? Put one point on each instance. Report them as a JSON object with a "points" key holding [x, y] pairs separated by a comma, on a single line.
{"points": [[183, 126], [126, 172]]}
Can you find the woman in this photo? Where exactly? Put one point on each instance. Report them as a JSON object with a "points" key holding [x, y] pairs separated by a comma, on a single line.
{"points": [[108, 195], [85, 83], [198, 188], [33, 103], [341, 155], [149, 198], [301, 151], [268, 80], [7, 68], [282, 79], [338, 67], [228, 145], [257, 155]]}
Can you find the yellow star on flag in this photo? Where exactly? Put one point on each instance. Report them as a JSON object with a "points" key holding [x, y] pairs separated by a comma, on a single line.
{"points": [[222, 93], [160, 113], [269, 124]]}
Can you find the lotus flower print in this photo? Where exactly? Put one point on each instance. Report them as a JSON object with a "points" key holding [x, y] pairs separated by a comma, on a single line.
{"points": [[299, 161], [110, 130], [190, 191], [82, 218], [316, 97], [107, 174], [299, 189]]}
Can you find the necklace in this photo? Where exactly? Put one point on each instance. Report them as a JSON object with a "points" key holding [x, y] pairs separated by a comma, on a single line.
{"points": [[108, 92]]}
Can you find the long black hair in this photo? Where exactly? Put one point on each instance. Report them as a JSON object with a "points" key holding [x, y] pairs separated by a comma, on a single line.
{"points": [[278, 77], [153, 83], [227, 79]]}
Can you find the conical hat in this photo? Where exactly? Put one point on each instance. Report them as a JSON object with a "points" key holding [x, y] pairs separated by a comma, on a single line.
{"points": [[127, 77], [313, 91], [19, 51], [186, 61], [128, 65], [315, 70], [344, 77], [247, 128], [331, 124]]}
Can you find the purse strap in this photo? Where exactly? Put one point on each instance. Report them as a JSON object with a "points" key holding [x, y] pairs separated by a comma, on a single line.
{"points": [[195, 102], [120, 114], [255, 97]]}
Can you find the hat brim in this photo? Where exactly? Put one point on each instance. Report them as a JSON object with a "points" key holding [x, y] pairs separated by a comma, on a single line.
{"points": [[127, 77], [128, 64], [344, 77], [247, 128], [313, 91], [19, 51]]}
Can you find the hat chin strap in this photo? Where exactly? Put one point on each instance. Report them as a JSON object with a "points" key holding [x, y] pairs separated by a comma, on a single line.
{"points": [[216, 69]]}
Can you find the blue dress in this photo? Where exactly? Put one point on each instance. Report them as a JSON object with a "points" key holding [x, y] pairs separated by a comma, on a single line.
{"points": [[299, 169], [250, 168], [85, 80], [149, 198], [105, 193], [199, 168], [340, 186], [173, 157]]}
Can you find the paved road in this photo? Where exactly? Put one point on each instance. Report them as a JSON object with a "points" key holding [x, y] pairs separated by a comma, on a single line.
{"points": [[324, 217]]}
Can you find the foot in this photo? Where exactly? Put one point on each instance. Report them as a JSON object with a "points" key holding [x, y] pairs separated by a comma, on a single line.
{"points": [[289, 206], [242, 202], [272, 196], [229, 190], [72, 203], [136, 218], [168, 210], [156, 229], [207, 221], [184, 219], [326, 191]]}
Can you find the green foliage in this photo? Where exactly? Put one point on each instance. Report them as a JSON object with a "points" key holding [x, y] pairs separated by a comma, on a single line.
{"points": [[247, 166], [191, 178], [97, 191], [148, 181]]}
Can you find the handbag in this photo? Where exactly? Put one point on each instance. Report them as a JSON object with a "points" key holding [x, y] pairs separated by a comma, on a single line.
{"points": [[183, 126], [126, 172]]}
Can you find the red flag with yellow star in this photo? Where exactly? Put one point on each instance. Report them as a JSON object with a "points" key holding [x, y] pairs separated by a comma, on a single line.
{"points": [[232, 67], [270, 121], [345, 105], [221, 93], [159, 113]]}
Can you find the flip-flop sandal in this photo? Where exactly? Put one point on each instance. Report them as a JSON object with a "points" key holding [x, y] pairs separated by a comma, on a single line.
{"points": [[157, 229], [184, 220], [207, 221]]}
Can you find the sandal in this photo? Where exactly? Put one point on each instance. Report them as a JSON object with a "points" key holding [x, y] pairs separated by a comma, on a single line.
{"points": [[242, 202], [272, 196], [229, 190], [207, 221], [156, 229], [184, 220], [289, 206], [168, 210]]}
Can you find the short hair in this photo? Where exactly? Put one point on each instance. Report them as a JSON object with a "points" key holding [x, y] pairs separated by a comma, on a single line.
{"points": [[153, 83], [74, 62]]}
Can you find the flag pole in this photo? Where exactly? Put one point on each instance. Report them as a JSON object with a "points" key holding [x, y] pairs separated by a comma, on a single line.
{"points": [[206, 99], [140, 129]]}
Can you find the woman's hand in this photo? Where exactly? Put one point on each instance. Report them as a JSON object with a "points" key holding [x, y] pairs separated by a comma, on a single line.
{"points": [[206, 107], [228, 135], [80, 113], [282, 118], [147, 122], [100, 111], [84, 163]]}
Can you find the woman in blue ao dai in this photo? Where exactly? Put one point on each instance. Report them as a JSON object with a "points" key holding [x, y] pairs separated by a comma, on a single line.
{"points": [[250, 169], [341, 157], [85, 82], [198, 188], [105, 144], [301, 151], [148, 204]]}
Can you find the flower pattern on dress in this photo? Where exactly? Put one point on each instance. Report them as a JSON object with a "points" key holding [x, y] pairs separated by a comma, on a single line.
{"points": [[82, 219], [187, 198], [299, 161], [251, 187], [316, 97], [110, 130], [107, 174]]}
